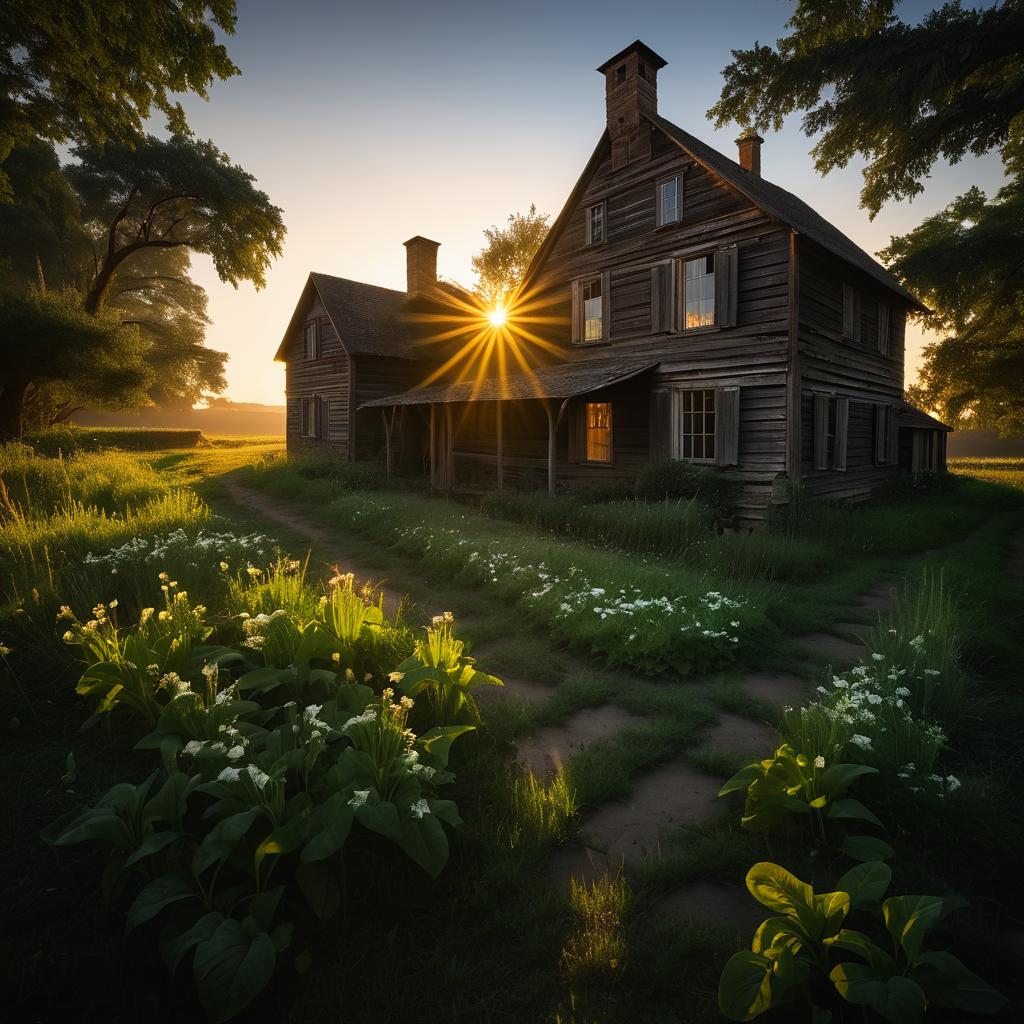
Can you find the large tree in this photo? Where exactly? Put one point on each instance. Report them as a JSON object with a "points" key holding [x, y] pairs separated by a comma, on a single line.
{"points": [[93, 70], [903, 96], [173, 193], [501, 265]]}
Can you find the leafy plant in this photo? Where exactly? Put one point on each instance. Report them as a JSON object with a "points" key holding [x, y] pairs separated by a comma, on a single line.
{"points": [[788, 784], [800, 953]]}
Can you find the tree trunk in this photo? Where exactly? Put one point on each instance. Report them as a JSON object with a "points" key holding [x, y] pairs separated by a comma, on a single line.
{"points": [[12, 397]]}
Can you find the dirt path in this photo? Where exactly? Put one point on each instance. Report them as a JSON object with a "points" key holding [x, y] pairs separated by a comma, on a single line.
{"points": [[329, 545]]}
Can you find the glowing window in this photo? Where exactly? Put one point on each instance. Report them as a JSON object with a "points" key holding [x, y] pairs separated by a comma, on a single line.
{"points": [[699, 292], [593, 318], [599, 432]]}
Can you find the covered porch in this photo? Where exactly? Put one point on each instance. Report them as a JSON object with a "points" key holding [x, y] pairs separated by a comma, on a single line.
{"points": [[524, 428]]}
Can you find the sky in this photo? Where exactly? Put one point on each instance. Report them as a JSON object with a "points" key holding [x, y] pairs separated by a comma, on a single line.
{"points": [[370, 122]]}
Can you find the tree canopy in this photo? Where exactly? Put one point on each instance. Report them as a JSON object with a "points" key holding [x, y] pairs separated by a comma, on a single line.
{"points": [[178, 192], [901, 97], [94, 71], [501, 265]]}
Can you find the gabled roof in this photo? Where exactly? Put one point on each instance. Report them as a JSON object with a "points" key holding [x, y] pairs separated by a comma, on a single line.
{"points": [[564, 380], [910, 416], [655, 60], [785, 207], [366, 317]]}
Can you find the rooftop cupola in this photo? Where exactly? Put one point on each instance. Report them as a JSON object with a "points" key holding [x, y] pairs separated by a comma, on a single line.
{"points": [[631, 90]]}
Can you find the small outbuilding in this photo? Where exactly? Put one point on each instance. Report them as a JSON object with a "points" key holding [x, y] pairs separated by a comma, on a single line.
{"points": [[922, 440]]}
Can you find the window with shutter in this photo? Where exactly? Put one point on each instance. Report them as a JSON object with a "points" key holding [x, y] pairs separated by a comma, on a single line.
{"points": [[851, 312], [821, 431], [884, 343], [842, 424], [695, 425], [726, 286], [595, 224], [661, 425], [669, 200], [662, 298], [312, 337], [698, 292], [727, 423], [885, 435]]}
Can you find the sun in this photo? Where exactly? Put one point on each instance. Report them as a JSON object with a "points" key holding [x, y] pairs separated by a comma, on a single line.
{"points": [[497, 316]]}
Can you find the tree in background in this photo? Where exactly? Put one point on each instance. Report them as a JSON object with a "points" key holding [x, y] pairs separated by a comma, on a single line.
{"points": [[501, 265], [76, 358], [902, 96], [173, 193], [92, 71]]}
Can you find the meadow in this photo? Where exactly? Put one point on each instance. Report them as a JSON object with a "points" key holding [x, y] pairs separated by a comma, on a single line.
{"points": [[325, 814]]}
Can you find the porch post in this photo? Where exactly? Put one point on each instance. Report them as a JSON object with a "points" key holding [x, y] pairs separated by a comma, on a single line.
{"points": [[433, 446], [387, 443], [449, 458], [552, 435], [500, 450]]}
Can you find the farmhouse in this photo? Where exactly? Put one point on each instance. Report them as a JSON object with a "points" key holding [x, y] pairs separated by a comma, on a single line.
{"points": [[681, 307]]}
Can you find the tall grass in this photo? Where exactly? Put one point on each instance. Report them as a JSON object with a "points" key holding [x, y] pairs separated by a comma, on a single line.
{"points": [[596, 949], [540, 812], [1007, 471]]}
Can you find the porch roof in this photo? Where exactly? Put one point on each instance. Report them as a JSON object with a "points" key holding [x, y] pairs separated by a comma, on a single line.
{"points": [[908, 416], [565, 380]]}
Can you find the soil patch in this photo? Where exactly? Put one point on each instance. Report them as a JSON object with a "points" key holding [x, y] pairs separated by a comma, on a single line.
{"points": [[879, 598], [729, 908], [330, 552], [579, 862], [775, 687], [547, 750], [520, 689], [666, 798], [742, 736], [826, 647]]}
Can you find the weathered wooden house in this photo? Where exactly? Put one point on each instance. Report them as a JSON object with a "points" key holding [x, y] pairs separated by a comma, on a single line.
{"points": [[681, 307]]}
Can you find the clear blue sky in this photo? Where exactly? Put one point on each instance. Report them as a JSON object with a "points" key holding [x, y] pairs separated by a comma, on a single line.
{"points": [[372, 121]]}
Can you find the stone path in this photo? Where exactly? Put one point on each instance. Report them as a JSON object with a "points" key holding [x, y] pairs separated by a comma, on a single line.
{"points": [[741, 736], [547, 751], [774, 687]]}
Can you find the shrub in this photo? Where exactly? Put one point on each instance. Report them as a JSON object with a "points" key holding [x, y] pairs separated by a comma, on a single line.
{"points": [[354, 476], [676, 480], [68, 438]]}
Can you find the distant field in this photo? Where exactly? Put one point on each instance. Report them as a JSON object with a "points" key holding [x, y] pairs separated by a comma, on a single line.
{"points": [[1008, 471]]}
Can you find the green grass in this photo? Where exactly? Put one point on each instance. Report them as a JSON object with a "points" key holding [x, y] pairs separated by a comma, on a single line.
{"points": [[1007, 471]]}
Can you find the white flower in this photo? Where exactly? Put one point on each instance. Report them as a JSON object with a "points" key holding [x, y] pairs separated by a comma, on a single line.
{"points": [[194, 746], [819, 762], [235, 753], [877, 657], [229, 775], [952, 783], [863, 742], [312, 710], [395, 677], [419, 808], [932, 672], [359, 797], [260, 778]]}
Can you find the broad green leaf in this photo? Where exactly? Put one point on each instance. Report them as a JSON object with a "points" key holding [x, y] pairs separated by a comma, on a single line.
{"points": [[949, 983], [437, 742], [176, 947], [897, 999], [231, 969], [263, 906], [909, 919], [775, 888], [855, 942], [866, 883], [831, 908], [446, 811], [154, 844], [282, 840], [329, 826], [866, 848], [850, 808], [218, 843], [837, 778], [381, 817], [160, 893], [742, 779], [99, 823], [774, 932], [424, 841], [320, 887], [744, 989]]}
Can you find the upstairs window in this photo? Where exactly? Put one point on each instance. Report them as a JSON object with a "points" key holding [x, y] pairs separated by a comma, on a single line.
{"points": [[309, 410], [620, 74], [593, 314], [312, 339], [851, 312], [699, 292], [599, 431], [884, 330], [669, 200], [595, 224]]}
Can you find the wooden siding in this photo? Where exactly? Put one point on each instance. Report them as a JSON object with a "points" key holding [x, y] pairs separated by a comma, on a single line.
{"points": [[378, 377], [326, 377], [835, 364]]}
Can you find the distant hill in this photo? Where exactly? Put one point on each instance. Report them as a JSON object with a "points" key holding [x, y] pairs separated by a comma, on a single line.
{"points": [[222, 417]]}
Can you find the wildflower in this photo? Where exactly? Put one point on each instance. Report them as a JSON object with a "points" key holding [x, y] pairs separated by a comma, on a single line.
{"points": [[952, 783], [211, 673], [253, 572], [312, 710], [223, 566], [236, 752], [163, 576], [68, 636], [863, 742], [230, 775], [147, 614], [819, 762], [359, 797], [932, 672], [259, 777], [419, 808], [395, 677], [65, 613], [193, 747], [877, 657]]}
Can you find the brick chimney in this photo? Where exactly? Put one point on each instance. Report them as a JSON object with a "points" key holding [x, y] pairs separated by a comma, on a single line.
{"points": [[749, 144], [631, 90], [420, 264]]}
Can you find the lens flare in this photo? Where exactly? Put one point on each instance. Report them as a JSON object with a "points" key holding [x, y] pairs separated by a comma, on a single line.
{"points": [[497, 316]]}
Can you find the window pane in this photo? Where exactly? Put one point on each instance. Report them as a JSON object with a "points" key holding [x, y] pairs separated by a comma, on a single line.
{"points": [[697, 424], [599, 432], [699, 292]]}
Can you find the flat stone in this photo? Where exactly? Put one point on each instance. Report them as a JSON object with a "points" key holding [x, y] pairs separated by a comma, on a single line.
{"points": [[578, 862], [879, 598], [857, 629], [774, 687], [741, 736], [668, 797], [519, 689], [547, 751], [728, 908], [826, 647]]}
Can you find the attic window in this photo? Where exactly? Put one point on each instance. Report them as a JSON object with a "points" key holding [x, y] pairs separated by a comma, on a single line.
{"points": [[312, 339], [620, 75]]}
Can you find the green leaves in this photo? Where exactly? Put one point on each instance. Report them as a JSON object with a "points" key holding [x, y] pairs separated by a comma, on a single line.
{"points": [[231, 968], [897, 999], [908, 920], [744, 989], [866, 883], [160, 893], [950, 984], [866, 848]]}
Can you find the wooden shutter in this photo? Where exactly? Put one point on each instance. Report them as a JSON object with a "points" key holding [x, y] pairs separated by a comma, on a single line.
{"points": [[727, 426], [851, 312], [821, 431], [662, 297], [880, 446], [325, 421], [892, 436], [726, 286], [577, 313], [884, 344], [842, 432], [661, 425], [606, 305]]}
